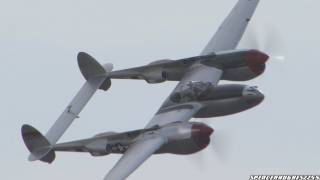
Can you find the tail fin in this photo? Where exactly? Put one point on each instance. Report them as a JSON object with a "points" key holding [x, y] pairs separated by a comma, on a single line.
{"points": [[38, 145], [90, 68]]}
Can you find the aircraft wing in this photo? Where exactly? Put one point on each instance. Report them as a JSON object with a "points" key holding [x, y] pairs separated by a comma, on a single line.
{"points": [[142, 149], [180, 113], [135, 156], [231, 31], [227, 38]]}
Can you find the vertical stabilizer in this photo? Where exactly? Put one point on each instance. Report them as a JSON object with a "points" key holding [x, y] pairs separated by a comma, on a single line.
{"points": [[38, 145]]}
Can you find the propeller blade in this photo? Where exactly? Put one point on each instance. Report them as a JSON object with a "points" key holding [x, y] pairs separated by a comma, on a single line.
{"points": [[251, 40], [221, 143], [270, 43]]}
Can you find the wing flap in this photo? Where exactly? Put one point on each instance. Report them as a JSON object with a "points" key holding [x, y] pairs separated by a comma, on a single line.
{"points": [[180, 113], [135, 156]]}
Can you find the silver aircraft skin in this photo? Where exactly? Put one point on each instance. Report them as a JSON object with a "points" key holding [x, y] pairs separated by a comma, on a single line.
{"points": [[197, 95]]}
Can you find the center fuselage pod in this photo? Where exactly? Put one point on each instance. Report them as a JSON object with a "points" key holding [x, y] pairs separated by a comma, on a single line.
{"points": [[218, 100], [229, 99]]}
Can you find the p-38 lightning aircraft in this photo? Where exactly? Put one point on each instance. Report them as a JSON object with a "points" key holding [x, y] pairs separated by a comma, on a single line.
{"points": [[197, 95]]}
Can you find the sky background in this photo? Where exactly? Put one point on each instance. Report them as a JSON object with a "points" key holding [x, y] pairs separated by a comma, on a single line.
{"points": [[39, 41]]}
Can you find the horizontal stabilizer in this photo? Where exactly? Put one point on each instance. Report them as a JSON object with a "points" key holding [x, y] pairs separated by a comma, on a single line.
{"points": [[38, 145], [97, 77]]}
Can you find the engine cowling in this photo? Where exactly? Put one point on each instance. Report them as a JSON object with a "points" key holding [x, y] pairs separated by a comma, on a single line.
{"points": [[186, 139], [254, 64], [155, 76], [200, 134], [239, 65]]}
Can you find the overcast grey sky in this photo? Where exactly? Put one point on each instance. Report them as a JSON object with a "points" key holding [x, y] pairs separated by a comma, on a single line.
{"points": [[39, 41]]}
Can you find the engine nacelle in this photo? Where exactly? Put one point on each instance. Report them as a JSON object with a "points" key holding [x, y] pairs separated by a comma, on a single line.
{"points": [[155, 76], [186, 138], [239, 65], [255, 65], [218, 100]]}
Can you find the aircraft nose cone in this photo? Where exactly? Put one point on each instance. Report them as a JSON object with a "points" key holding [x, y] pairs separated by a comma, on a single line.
{"points": [[252, 95], [263, 57], [201, 135], [202, 130], [260, 97], [259, 94], [206, 131], [209, 131], [256, 60], [256, 99], [258, 56]]}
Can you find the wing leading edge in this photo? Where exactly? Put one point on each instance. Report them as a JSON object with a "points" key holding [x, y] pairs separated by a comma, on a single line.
{"points": [[232, 29], [226, 38]]}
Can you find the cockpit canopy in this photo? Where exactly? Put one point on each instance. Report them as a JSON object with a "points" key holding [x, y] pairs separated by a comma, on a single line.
{"points": [[194, 91], [203, 91], [250, 91]]}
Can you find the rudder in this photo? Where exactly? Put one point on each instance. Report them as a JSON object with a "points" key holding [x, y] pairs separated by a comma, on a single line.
{"points": [[37, 144]]}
